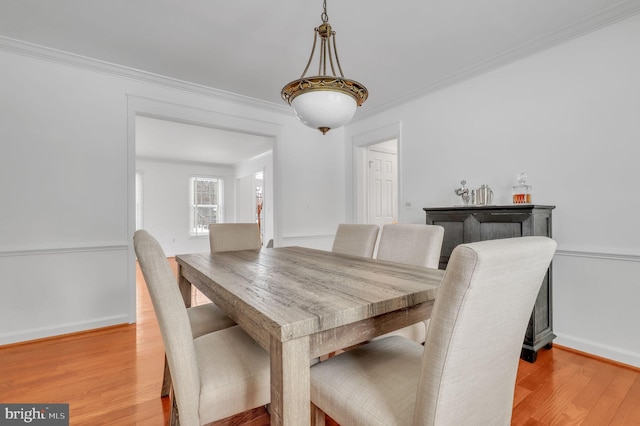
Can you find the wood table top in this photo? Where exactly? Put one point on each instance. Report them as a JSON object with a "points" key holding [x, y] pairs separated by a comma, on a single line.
{"points": [[296, 291]]}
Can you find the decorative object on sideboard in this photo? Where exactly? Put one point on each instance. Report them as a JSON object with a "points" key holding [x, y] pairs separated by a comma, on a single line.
{"points": [[463, 192], [522, 191], [484, 196]]}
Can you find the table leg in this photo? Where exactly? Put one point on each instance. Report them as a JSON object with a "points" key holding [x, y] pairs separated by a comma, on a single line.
{"points": [[185, 288], [290, 382]]}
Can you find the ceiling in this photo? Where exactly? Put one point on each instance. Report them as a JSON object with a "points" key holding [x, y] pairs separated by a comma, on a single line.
{"points": [[397, 49], [168, 140]]}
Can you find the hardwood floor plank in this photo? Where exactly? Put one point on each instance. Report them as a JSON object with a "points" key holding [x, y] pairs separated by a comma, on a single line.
{"points": [[629, 411], [112, 376], [606, 407]]}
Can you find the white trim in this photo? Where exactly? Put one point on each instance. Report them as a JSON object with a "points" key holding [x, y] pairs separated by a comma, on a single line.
{"points": [[618, 12], [138, 105], [594, 348], [600, 254], [358, 154], [622, 10], [57, 330], [20, 47], [84, 248]]}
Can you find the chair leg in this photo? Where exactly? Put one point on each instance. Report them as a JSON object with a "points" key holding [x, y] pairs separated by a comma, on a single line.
{"points": [[317, 416], [166, 380], [174, 417]]}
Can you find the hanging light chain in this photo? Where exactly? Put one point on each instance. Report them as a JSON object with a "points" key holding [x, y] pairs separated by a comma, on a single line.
{"points": [[324, 16]]}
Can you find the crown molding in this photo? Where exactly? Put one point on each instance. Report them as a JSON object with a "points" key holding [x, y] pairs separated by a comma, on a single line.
{"points": [[620, 11], [58, 56], [616, 13]]}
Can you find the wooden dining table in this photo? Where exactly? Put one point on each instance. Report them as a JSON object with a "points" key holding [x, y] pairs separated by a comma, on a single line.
{"points": [[300, 303]]}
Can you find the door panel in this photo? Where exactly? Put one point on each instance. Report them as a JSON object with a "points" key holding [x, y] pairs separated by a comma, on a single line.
{"points": [[382, 188]]}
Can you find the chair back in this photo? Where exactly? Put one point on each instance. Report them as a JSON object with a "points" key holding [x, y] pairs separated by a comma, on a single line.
{"points": [[355, 239], [477, 328], [234, 236], [174, 324], [412, 244]]}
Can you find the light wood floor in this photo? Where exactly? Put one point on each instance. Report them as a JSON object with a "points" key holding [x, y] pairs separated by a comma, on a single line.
{"points": [[113, 376]]}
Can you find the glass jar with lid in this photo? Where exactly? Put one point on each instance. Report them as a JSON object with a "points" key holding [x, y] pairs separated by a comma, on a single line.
{"points": [[522, 191]]}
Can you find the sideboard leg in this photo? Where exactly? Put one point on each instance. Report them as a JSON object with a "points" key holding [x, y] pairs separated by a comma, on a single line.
{"points": [[529, 355]]}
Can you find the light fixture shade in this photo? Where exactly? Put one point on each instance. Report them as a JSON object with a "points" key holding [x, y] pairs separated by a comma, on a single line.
{"points": [[324, 109], [324, 101]]}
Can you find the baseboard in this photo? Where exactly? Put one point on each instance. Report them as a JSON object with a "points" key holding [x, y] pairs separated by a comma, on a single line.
{"points": [[60, 329], [609, 352]]}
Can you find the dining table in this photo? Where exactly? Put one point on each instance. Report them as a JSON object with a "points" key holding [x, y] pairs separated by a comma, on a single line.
{"points": [[301, 303]]}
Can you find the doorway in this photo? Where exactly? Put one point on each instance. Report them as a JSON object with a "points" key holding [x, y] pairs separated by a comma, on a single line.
{"points": [[248, 131], [250, 201], [377, 176]]}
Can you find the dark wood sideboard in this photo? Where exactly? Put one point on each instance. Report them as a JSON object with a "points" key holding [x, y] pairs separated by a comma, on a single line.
{"points": [[466, 224]]}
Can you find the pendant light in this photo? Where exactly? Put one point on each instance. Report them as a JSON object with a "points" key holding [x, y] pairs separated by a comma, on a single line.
{"points": [[324, 101]]}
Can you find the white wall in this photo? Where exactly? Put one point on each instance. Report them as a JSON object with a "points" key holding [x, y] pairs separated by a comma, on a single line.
{"points": [[67, 172], [166, 202], [569, 117]]}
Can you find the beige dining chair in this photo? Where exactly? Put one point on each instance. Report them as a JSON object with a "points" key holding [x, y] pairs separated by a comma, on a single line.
{"points": [[355, 239], [203, 319], [214, 376], [465, 373], [234, 236], [412, 244], [207, 318]]}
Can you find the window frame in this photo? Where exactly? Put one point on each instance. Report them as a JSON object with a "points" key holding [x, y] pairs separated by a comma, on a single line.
{"points": [[193, 204]]}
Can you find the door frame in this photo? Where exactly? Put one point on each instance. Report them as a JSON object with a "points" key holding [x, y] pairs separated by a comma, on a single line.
{"points": [[154, 108], [360, 146]]}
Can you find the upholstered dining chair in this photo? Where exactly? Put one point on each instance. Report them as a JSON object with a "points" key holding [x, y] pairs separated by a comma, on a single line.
{"points": [[234, 236], [214, 376], [413, 244], [465, 373], [207, 318], [203, 319], [355, 239]]}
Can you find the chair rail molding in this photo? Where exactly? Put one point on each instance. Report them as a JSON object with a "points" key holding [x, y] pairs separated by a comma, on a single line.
{"points": [[605, 254], [77, 248]]}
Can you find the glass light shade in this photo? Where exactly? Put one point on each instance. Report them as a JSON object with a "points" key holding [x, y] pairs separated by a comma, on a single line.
{"points": [[324, 109]]}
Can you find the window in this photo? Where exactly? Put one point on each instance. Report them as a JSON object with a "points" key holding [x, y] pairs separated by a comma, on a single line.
{"points": [[205, 204], [139, 200]]}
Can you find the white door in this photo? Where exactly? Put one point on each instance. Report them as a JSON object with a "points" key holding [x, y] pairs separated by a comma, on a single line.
{"points": [[382, 186]]}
